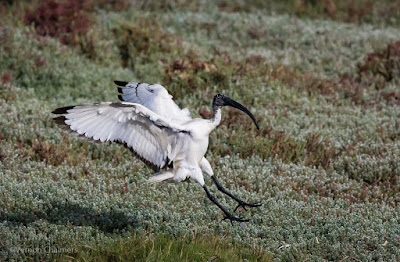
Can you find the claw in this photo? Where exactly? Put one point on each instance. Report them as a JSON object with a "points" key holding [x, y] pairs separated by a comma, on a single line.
{"points": [[244, 204], [233, 218], [227, 214], [241, 203]]}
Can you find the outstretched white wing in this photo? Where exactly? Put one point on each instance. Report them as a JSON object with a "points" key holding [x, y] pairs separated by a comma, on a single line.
{"points": [[149, 135], [155, 97]]}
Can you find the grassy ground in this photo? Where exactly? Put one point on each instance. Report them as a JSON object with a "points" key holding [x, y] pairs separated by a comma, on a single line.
{"points": [[322, 79]]}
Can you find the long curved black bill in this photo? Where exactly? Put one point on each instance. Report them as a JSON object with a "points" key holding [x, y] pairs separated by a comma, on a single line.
{"points": [[230, 102]]}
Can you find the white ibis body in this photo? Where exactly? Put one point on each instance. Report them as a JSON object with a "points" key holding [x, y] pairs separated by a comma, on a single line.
{"points": [[157, 131]]}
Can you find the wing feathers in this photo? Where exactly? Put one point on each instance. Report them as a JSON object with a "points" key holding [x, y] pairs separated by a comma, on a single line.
{"points": [[120, 83], [146, 133], [62, 110], [159, 177], [60, 120], [159, 102]]}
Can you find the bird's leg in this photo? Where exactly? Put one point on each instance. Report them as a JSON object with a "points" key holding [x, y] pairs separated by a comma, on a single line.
{"points": [[227, 214], [241, 203]]}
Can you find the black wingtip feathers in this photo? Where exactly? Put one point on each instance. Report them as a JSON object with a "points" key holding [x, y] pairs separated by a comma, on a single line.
{"points": [[60, 120], [62, 110], [120, 98], [120, 83]]}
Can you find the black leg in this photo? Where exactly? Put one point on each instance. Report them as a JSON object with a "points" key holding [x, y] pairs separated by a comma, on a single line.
{"points": [[240, 202], [227, 214]]}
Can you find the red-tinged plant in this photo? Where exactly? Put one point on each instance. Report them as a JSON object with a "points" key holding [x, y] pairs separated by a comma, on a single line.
{"points": [[382, 66], [5, 78], [376, 70], [66, 20]]}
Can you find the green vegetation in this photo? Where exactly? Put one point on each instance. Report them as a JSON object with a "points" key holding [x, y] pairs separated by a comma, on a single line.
{"points": [[165, 248], [321, 77]]}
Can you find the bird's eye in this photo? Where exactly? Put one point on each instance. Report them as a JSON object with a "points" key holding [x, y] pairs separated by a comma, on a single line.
{"points": [[151, 90]]}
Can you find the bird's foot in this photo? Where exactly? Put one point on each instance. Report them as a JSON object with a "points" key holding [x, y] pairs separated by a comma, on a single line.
{"points": [[244, 205], [233, 218]]}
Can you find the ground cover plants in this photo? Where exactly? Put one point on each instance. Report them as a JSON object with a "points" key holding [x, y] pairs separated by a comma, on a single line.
{"points": [[322, 79]]}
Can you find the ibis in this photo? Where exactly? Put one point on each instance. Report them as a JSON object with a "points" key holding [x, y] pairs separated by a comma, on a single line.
{"points": [[160, 133]]}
